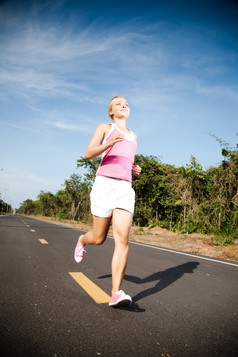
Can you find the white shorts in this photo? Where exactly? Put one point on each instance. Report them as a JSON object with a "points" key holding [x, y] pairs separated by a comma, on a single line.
{"points": [[108, 194]]}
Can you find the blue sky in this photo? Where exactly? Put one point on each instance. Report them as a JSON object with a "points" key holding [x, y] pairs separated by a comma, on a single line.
{"points": [[176, 62]]}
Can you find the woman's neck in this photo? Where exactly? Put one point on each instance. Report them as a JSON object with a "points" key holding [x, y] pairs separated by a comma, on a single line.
{"points": [[121, 123]]}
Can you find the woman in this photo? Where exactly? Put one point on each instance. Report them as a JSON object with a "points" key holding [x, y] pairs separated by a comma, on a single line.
{"points": [[112, 197]]}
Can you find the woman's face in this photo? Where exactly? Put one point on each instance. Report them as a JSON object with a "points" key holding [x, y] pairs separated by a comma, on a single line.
{"points": [[119, 108]]}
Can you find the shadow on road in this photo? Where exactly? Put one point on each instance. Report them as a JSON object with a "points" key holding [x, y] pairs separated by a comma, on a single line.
{"points": [[162, 278]]}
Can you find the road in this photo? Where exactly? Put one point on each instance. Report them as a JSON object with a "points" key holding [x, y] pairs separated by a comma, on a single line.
{"points": [[183, 305]]}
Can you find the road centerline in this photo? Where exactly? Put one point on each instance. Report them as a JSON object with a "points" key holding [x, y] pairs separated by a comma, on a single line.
{"points": [[96, 293], [43, 241]]}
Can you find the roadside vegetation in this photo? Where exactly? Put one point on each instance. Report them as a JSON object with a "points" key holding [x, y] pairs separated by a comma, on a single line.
{"points": [[5, 208], [183, 199]]}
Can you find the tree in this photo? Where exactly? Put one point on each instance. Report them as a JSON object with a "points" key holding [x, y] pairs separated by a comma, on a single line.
{"points": [[27, 207], [91, 166], [46, 203], [62, 204], [224, 190], [78, 191], [191, 191], [153, 191]]}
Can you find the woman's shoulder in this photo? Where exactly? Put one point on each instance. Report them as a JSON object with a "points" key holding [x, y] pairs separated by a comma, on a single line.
{"points": [[103, 130], [105, 127]]}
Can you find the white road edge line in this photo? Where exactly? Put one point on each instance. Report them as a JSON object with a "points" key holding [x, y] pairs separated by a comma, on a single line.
{"points": [[184, 253], [159, 248]]}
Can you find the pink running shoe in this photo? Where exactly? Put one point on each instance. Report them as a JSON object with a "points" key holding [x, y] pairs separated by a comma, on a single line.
{"points": [[120, 299], [79, 251]]}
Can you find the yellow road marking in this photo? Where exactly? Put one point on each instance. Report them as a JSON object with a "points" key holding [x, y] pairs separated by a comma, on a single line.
{"points": [[43, 241], [32, 230], [97, 294]]}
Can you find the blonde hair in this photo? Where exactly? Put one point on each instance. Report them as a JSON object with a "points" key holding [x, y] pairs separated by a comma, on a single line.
{"points": [[110, 105]]}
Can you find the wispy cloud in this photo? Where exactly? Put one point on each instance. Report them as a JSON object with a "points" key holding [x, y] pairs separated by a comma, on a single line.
{"points": [[49, 63], [22, 173], [31, 84], [219, 91], [82, 128]]}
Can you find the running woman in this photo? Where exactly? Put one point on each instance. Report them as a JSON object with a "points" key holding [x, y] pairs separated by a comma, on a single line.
{"points": [[112, 196]]}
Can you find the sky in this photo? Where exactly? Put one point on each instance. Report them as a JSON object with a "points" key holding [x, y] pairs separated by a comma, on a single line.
{"points": [[61, 61]]}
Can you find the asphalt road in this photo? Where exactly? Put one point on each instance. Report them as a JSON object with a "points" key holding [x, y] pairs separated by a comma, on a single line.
{"points": [[183, 305]]}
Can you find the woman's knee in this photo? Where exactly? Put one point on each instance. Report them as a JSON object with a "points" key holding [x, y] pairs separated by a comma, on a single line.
{"points": [[121, 235], [99, 238], [121, 239]]}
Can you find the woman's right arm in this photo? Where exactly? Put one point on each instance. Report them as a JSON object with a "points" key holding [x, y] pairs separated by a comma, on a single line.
{"points": [[95, 146]]}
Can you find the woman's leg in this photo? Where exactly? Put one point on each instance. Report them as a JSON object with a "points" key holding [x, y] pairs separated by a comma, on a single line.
{"points": [[99, 233], [122, 221]]}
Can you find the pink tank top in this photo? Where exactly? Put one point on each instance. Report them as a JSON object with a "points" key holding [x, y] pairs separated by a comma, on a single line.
{"points": [[117, 161]]}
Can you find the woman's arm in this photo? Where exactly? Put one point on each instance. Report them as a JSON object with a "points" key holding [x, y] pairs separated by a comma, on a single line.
{"points": [[95, 146]]}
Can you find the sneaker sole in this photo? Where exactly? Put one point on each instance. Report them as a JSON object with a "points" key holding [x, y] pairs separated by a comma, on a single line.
{"points": [[123, 302], [78, 260]]}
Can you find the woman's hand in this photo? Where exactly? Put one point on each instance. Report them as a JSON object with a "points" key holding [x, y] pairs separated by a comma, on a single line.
{"points": [[95, 146], [136, 169], [115, 139]]}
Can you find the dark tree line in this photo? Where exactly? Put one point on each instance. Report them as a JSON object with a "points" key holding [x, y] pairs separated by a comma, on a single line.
{"points": [[5, 208]]}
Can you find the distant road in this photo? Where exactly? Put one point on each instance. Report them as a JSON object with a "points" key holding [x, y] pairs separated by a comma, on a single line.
{"points": [[183, 305]]}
